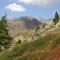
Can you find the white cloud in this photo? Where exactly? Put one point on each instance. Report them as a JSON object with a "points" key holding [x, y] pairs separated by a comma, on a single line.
{"points": [[40, 2], [15, 7]]}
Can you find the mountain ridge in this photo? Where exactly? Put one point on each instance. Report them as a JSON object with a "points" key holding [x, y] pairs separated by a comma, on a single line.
{"points": [[22, 24]]}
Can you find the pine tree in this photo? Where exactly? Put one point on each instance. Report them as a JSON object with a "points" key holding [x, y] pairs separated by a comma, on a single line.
{"points": [[56, 19], [5, 39]]}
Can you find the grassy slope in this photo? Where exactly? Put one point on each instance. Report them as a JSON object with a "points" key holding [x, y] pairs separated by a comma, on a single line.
{"points": [[46, 48]]}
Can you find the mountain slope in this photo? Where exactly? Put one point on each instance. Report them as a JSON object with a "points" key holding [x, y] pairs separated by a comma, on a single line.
{"points": [[22, 24], [44, 48]]}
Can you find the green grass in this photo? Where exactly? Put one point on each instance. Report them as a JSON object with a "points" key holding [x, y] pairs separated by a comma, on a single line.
{"points": [[18, 51], [9, 55]]}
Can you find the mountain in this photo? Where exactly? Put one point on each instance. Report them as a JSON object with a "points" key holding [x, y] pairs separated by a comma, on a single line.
{"points": [[29, 22], [22, 24]]}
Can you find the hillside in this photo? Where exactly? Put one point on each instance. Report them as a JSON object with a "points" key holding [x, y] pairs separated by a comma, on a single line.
{"points": [[45, 47], [22, 24]]}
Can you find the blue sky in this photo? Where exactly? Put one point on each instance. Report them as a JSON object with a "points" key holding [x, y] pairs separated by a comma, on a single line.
{"points": [[40, 8]]}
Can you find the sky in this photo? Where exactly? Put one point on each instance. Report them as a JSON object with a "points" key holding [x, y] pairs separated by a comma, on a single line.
{"points": [[35, 8]]}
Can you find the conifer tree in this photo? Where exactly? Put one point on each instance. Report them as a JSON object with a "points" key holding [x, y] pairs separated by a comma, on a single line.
{"points": [[5, 39], [56, 19]]}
